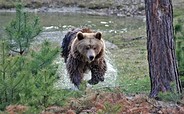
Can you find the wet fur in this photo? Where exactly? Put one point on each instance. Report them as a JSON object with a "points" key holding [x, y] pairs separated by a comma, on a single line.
{"points": [[76, 63]]}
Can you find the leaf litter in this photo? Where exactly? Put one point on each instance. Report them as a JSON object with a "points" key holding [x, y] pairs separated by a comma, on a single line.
{"points": [[100, 102]]}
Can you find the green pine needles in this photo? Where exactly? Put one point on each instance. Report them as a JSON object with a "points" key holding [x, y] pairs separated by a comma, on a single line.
{"points": [[28, 79], [21, 31], [27, 76]]}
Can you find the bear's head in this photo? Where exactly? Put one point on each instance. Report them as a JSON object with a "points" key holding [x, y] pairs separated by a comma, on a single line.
{"points": [[90, 45]]}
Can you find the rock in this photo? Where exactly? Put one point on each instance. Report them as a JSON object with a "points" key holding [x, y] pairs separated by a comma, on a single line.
{"points": [[110, 45]]}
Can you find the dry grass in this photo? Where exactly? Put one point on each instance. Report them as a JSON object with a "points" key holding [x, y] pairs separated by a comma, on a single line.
{"points": [[115, 103], [93, 4], [59, 3]]}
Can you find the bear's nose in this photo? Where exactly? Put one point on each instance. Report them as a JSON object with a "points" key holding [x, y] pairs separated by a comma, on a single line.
{"points": [[91, 57]]}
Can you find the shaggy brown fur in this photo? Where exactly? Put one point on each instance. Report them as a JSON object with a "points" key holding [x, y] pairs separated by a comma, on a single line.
{"points": [[83, 50]]}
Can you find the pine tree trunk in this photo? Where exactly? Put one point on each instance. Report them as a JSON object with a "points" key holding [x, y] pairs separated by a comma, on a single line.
{"points": [[160, 45]]}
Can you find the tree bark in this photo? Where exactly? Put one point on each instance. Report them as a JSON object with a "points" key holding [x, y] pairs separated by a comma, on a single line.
{"points": [[160, 45]]}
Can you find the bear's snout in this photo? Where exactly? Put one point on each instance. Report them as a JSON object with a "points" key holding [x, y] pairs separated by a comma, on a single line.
{"points": [[91, 57]]}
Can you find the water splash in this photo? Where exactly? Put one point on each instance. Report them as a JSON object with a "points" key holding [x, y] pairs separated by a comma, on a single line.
{"points": [[64, 81], [110, 76]]}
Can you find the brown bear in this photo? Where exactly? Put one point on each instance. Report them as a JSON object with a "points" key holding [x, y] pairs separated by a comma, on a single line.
{"points": [[84, 50]]}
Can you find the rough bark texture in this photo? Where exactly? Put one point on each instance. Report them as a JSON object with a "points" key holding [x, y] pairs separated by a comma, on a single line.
{"points": [[160, 44]]}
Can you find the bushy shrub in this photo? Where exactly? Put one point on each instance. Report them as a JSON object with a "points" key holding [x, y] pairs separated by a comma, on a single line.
{"points": [[21, 31]]}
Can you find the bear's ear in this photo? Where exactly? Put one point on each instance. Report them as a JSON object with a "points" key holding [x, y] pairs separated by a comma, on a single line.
{"points": [[80, 36], [98, 35]]}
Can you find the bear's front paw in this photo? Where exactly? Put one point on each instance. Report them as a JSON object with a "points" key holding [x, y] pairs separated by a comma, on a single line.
{"points": [[101, 79], [93, 82]]}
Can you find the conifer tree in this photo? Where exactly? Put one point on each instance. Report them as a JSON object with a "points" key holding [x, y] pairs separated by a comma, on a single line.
{"points": [[21, 31], [163, 69], [29, 76]]}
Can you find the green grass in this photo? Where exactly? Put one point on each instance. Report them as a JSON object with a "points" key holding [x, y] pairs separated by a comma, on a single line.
{"points": [[178, 15], [132, 66], [131, 60], [170, 96]]}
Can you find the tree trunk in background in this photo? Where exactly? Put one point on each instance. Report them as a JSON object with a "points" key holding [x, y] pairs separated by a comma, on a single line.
{"points": [[160, 45]]}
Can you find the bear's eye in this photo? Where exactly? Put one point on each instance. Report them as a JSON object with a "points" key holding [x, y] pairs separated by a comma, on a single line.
{"points": [[94, 48], [87, 48]]}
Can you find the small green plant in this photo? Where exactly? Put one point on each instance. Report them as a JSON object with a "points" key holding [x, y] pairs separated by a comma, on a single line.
{"points": [[42, 71], [21, 31], [43, 58], [110, 108], [18, 81]]}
